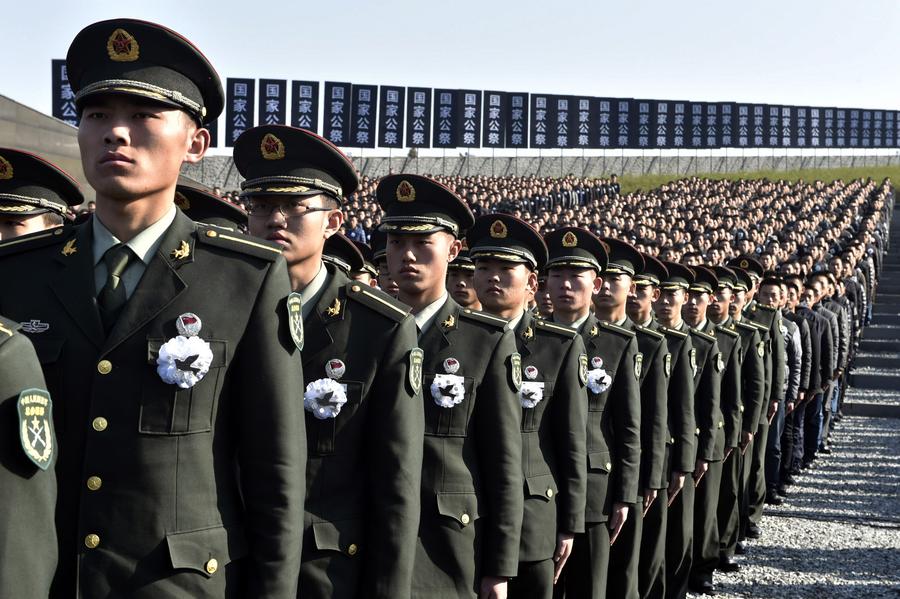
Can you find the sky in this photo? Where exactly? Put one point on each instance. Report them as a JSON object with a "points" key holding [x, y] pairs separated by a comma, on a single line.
{"points": [[822, 52]]}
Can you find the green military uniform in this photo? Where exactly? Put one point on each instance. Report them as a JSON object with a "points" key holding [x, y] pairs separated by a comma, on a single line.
{"points": [[364, 418], [178, 415], [27, 480], [554, 413], [613, 424], [472, 481]]}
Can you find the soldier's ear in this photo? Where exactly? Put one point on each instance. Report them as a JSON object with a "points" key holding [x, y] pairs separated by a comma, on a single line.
{"points": [[598, 284], [454, 249]]}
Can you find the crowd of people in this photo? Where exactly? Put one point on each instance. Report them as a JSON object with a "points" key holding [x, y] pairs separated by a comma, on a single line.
{"points": [[594, 397]]}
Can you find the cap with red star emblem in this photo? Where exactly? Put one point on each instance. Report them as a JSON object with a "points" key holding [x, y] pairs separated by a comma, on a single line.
{"points": [[204, 207], [505, 237], [576, 248], [30, 185], [416, 205]]}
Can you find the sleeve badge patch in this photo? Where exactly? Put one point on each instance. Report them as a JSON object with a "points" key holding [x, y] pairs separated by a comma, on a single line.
{"points": [[638, 365], [694, 361], [667, 365], [761, 349], [36, 426], [414, 372], [720, 363], [583, 369], [295, 319], [515, 371]]}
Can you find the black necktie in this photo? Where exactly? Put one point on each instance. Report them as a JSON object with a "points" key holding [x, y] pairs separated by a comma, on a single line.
{"points": [[112, 297]]}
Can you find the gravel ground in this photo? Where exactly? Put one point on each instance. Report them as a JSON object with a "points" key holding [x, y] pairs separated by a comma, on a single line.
{"points": [[838, 533], [870, 396]]}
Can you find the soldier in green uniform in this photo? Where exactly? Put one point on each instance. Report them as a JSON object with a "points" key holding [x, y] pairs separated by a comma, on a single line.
{"points": [[460, 281], [26, 203], [614, 425], [165, 346], [710, 426], [204, 207], [610, 305], [368, 272], [507, 254], [683, 454], [379, 259], [28, 453], [472, 480], [753, 395], [714, 485], [362, 367], [678, 428]]}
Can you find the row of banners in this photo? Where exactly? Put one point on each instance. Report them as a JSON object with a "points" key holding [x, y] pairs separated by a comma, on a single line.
{"points": [[386, 116]]}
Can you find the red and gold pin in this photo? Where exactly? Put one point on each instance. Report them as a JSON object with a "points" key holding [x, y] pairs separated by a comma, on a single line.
{"points": [[122, 47]]}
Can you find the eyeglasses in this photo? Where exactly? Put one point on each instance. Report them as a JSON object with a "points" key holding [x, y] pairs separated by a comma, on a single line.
{"points": [[289, 209]]}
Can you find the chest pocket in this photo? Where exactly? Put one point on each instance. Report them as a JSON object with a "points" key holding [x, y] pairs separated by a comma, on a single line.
{"points": [[532, 417], [448, 422], [322, 434], [170, 410]]}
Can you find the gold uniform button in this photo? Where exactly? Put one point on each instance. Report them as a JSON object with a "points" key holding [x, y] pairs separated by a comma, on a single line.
{"points": [[549, 493], [104, 366], [91, 541], [352, 549], [211, 233], [94, 483], [100, 423], [212, 565], [464, 519]]}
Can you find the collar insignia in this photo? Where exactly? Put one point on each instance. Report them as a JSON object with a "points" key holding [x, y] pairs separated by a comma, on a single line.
{"points": [[122, 47], [449, 323], [69, 248], [334, 309], [595, 331], [271, 147], [528, 334], [183, 251]]}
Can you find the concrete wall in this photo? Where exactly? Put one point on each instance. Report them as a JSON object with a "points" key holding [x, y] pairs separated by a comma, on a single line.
{"points": [[220, 171]]}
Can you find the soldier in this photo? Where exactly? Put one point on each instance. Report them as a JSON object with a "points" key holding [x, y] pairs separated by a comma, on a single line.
{"points": [[507, 253], [542, 298], [837, 304], [27, 480], [613, 426], [368, 272], [180, 471], [829, 354], [34, 194], [472, 480], [610, 305], [204, 207], [359, 354], [678, 431], [379, 260], [460, 281], [683, 454], [792, 439], [711, 433]]}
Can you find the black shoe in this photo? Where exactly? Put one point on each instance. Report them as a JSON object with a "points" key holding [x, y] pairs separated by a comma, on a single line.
{"points": [[704, 587], [807, 465], [772, 498], [728, 564], [788, 479], [826, 450], [740, 548], [782, 490], [754, 531]]}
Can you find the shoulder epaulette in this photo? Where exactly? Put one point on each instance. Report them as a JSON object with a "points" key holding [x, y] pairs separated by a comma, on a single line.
{"points": [[482, 317], [238, 242], [8, 328], [746, 326], [765, 307], [617, 329], [673, 332], [32, 241], [555, 328], [702, 335], [377, 300], [649, 332], [727, 331]]}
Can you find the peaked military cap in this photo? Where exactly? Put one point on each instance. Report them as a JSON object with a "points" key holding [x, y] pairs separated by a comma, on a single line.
{"points": [[343, 253], [654, 272], [30, 185], [287, 161], [571, 246], [463, 261], [705, 280], [726, 276], [749, 264], [368, 260], [772, 278], [138, 58], [624, 258], [205, 207], [744, 280], [679, 276], [505, 237], [414, 204], [379, 245]]}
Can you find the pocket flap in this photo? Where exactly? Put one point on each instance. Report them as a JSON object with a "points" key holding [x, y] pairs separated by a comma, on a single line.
{"points": [[48, 350], [206, 550], [218, 348], [340, 535], [462, 507], [600, 460], [542, 486]]}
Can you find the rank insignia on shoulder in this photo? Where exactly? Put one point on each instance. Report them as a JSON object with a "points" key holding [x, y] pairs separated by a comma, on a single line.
{"points": [[414, 374], [295, 319], [515, 371], [638, 365], [36, 426], [583, 369], [667, 365]]}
